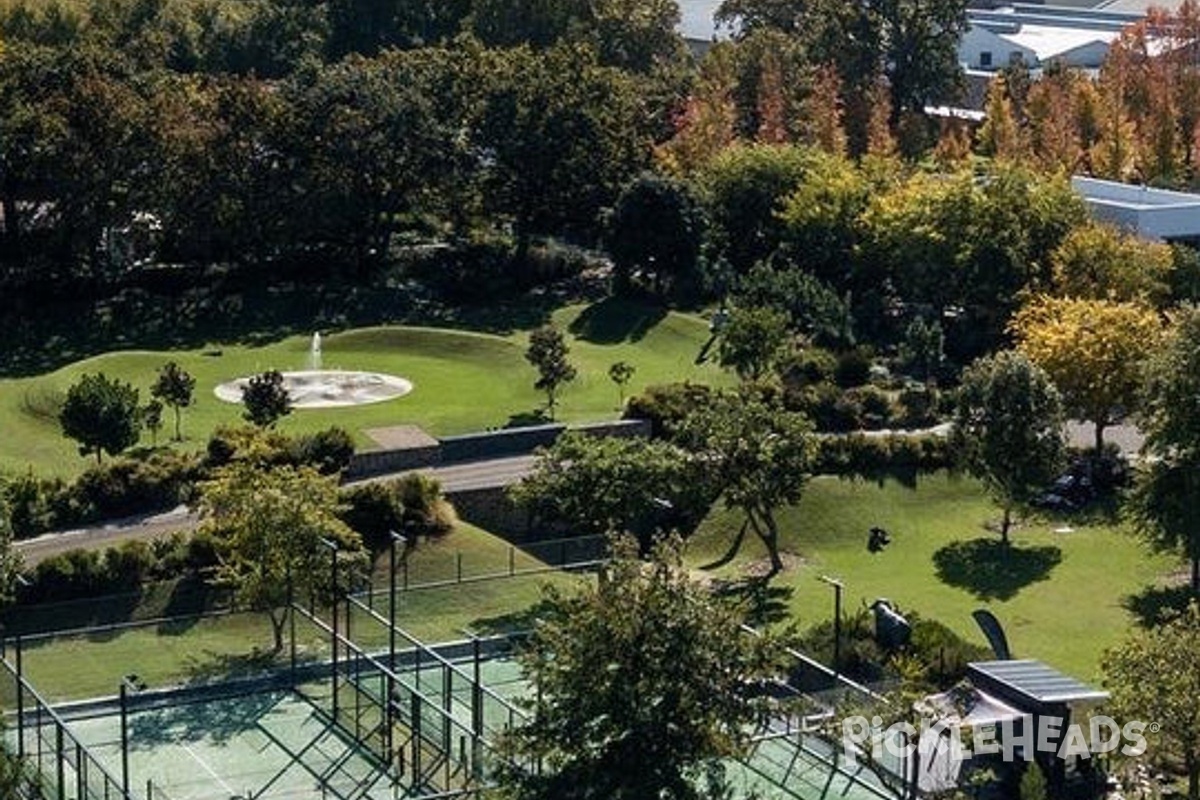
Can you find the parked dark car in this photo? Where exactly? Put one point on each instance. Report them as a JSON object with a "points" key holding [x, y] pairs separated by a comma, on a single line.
{"points": [[1089, 478]]}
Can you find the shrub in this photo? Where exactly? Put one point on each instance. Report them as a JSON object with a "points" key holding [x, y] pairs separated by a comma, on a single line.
{"points": [[875, 407], [918, 407], [128, 565], [374, 511], [128, 486], [853, 368], [426, 512], [876, 457], [34, 504], [668, 405], [942, 654], [329, 450], [809, 367]]}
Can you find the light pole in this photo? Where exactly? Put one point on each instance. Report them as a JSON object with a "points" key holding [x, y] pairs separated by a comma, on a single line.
{"points": [[333, 625], [837, 585], [397, 539], [129, 683]]}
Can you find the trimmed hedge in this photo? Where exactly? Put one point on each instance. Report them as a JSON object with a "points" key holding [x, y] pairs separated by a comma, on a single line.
{"points": [[127, 486]]}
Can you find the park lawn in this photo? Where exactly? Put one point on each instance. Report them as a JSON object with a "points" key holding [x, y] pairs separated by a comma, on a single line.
{"points": [[183, 650], [463, 381], [1064, 613]]}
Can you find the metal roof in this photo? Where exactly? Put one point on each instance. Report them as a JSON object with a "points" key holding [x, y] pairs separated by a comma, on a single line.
{"points": [[1034, 681]]}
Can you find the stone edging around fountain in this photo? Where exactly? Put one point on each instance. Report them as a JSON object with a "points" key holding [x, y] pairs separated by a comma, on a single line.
{"points": [[328, 388]]}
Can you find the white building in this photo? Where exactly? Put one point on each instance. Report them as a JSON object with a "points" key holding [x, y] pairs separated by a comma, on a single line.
{"points": [[1040, 36], [1155, 214]]}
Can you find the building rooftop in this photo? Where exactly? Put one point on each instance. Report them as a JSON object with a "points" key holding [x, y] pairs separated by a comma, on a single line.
{"points": [[1031, 683]]}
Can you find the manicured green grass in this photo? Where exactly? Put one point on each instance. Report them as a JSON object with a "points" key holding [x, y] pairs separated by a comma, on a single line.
{"points": [[1059, 595], [196, 649], [463, 381]]}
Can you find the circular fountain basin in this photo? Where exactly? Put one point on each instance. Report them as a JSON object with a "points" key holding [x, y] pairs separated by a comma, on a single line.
{"points": [[326, 388]]}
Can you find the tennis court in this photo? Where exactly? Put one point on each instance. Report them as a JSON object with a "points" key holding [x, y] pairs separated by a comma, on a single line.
{"points": [[277, 743]]}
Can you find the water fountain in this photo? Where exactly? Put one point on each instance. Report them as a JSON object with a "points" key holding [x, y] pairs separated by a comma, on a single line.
{"points": [[323, 388], [314, 353]]}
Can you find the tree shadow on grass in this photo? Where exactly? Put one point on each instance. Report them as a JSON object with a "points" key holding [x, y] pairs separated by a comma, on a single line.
{"points": [[616, 320], [226, 666], [1154, 605], [513, 622], [992, 570], [760, 602], [526, 419]]}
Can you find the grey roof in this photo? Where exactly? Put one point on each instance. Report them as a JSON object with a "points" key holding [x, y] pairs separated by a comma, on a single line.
{"points": [[1033, 680]]}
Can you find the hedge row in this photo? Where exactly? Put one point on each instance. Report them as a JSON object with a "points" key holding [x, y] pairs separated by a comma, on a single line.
{"points": [[126, 486], [853, 454]]}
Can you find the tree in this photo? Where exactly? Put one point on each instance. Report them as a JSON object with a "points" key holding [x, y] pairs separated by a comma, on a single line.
{"points": [[269, 526], [1000, 137], [621, 373], [811, 305], [641, 688], [599, 485], [1008, 430], [1100, 262], [10, 560], [924, 348], [1154, 675], [152, 419], [560, 135], [761, 455], [175, 387], [1170, 406], [753, 341], [1165, 504], [266, 399], [548, 353], [655, 230], [743, 189], [1093, 350], [101, 414], [1165, 507]]}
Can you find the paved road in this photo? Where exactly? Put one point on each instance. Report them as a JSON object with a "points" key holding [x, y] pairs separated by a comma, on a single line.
{"points": [[468, 476]]}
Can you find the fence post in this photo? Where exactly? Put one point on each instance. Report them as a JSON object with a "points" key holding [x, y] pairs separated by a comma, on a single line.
{"points": [[512, 560], [61, 768], [416, 739], [20, 702], [458, 564]]}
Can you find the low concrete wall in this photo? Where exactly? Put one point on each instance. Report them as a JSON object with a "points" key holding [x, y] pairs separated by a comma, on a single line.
{"points": [[482, 446], [379, 462], [498, 444]]}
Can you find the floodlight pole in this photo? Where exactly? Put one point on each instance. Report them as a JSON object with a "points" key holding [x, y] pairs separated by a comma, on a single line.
{"points": [[837, 621], [127, 685], [125, 738], [397, 539], [333, 627]]}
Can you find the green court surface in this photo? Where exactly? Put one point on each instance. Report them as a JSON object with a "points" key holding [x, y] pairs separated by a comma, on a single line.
{"points": [[270, 745], [281, 744]]}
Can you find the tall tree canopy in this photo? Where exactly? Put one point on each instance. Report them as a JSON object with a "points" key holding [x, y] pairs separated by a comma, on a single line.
{"points": [[269, 525], [1093, 350], [641, 683], [1154, 675], [761, 455], [1008, 430]]}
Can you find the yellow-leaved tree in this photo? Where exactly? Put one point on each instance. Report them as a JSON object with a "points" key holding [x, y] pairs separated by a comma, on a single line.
{"points": [[1093, 350], [1100, 262]]}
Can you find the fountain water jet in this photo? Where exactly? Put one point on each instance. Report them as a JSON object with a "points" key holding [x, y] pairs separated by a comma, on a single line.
{"points": [[314, 353]]}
